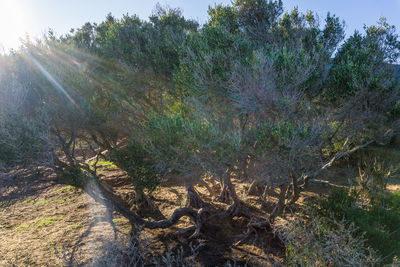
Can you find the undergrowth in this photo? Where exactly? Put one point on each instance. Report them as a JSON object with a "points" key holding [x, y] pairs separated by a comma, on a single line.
{"points": [[73, 176], [378, 223], [313, 240]]}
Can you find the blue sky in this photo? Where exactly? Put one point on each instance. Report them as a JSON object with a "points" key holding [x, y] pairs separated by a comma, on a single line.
{"points": [[62, 15]]}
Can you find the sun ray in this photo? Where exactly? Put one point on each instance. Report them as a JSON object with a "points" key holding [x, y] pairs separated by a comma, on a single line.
{"points": [[51, 79]]}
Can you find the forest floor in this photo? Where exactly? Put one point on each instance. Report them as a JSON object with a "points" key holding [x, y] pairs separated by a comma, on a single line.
{"points": [[45, 223]]}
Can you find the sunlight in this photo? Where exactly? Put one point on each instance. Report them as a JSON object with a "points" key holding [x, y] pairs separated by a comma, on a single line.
{"points": [[12, 25], [51, 79]]}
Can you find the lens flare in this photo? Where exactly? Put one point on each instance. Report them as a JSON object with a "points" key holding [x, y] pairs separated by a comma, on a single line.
{"points": [[51, 79]]}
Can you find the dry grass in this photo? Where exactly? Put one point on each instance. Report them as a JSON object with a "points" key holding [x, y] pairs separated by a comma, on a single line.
{"points": [[36, 230], [316, 241]]}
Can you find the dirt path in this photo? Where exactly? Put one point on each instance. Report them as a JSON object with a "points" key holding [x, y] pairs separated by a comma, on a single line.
{"points": [[47, 224]]}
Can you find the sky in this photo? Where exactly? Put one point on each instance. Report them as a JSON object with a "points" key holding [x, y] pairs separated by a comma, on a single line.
{"points": [[18, 17]]}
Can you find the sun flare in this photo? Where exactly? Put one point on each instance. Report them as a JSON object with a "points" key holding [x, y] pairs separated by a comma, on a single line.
{"points": [[12, 25]]}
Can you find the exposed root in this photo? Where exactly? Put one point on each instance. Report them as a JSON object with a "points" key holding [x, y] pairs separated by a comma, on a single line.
{"points": [[111, 201], [280, 206], [185, 230], [252, 188], [224, 195], [200, 219], [109, 217], [193, 199], [296, 192], [228, 190], [210, 191], [142, 201], [175, 217], [235, 209], [255, 225]]}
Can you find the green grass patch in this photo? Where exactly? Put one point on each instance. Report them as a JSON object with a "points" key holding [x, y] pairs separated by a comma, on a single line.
{"points": [[45, 201], [46, 222], [120, 221], [103, 163], [378, 223], [54, 200], [22, 227], [29, 200], [66, 189], [76, 226]]}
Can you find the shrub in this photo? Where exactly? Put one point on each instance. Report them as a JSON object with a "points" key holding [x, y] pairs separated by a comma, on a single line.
{"points": [[72, 175], [137, 163], [321, 241], [378, 223]]}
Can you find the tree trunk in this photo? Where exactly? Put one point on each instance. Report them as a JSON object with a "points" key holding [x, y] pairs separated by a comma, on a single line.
{"points": [[279, 207], [224, 195], [208, 187], [252, 187], [295, 190], [115, 203], [193, 199], [143, 202]]}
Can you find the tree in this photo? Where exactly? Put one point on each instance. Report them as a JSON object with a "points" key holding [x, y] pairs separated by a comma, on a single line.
{"points": [[254, 93]]}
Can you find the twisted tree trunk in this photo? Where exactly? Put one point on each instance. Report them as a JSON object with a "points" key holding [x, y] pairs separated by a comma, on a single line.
{"points": [[102, 195], [226, 183], [279, 207], [295, 190], [193, 199]]}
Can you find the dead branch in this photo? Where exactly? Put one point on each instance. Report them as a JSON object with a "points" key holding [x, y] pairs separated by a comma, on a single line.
{"points": [[342, 153]]}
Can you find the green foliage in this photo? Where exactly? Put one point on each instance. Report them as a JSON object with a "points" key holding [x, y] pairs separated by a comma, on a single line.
{"points": [[363, 63], [207, 62], [139, 44], [223, 16], [22, 142], [177, 143], [24, 125], [380, 222], [389, 201], [73, 175], [376, 166], [257, 17], [173, 145], [280, 135], [137, 162]]}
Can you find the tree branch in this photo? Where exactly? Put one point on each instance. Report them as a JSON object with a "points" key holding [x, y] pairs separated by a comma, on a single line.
{"points": [[107, 198]]}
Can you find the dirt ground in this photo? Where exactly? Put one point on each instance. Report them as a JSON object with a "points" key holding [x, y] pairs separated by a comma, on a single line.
{"points": [[45, 223]]}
